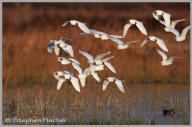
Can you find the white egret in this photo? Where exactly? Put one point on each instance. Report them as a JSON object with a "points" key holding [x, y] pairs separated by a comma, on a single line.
{"points": [[56, 45], [179, 36], [159, 42], [121, 45], [166, 61], [102, 35], [131, 22], [62, 76], [116, 81], [98, 60], [81, 25], [166, 16], [83, 74]]}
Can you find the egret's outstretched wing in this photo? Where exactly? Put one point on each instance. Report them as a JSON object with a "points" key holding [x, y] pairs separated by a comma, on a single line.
{"points": [[87, 55], [75, 83], [84, 33], [69, 50], [56, 49], [126, 27], [174, 31], [106, 59], [97, 32], [174, 23], [132, 42], [96, 77], [74, 61], [144, 42], [82, 79], [105, 84], [68, 73], [50, 47], [116, 36], [99, 57], [87, 71], [141, 27], [166, 17], [120, 85], [184, 32], [119, 42], [77, 67], [161, 44], [164, 56], [65, 39], [162, 22], [110, 67], [83, 27], [59, 83]]}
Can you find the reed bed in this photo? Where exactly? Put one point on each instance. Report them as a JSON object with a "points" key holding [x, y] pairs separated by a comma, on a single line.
{"points": [[141, 104]]}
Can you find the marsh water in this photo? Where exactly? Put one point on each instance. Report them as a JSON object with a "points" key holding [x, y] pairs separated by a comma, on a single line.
{"points": [[141, 104]]}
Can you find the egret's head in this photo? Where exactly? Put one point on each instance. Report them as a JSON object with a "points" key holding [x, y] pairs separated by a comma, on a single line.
{"points": [[73, 22], [132, 21]]}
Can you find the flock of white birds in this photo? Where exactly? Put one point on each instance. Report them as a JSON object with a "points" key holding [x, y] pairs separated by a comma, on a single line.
{"points": [[97, 63]]}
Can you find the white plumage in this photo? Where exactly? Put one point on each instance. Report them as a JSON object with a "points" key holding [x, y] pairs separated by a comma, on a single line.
{"points": [[88, 71], [56, 45], [81, 25], [159, 42], [166, 16], [166, 61], [121, 45], [98, 60], [116, 81], [62, 76], [179, 36], [102, 35], [131, 22]]}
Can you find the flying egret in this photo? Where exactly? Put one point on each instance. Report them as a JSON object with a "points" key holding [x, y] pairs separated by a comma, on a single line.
{"points": [[102, 35], [83, 74], [172, 23], [62, 76], [166, 16], [65, 61], [131, 22], [116, 81], [159, 41], [179, 36], [98, 60], [56, 45], [59, 75], [166, 61], [168, 27], [121, 45], [81, 25]]}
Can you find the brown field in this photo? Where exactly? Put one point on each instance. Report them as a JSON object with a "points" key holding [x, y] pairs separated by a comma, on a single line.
{"points": [[28, 67]]}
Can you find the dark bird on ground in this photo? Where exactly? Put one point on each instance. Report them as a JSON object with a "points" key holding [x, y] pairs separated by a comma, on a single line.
{"points": [[168, 112]]}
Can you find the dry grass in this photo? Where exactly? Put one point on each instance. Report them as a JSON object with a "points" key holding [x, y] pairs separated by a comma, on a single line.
{"points": [[25, 57]]}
